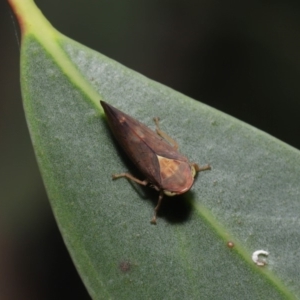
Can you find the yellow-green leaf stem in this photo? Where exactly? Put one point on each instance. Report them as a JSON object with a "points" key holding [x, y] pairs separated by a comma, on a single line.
{"points": [[33, 23]]}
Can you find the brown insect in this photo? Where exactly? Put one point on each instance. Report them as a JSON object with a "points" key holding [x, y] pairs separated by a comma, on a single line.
{"points": [[154, 153]]}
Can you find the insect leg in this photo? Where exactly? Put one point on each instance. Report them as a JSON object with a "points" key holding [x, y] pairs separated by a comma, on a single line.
{"points": [[129, 176], [203, 168], [164, 135], [161, 195]]}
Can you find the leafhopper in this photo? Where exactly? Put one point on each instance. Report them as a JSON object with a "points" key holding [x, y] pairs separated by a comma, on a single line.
{"points": [[155, 154]]}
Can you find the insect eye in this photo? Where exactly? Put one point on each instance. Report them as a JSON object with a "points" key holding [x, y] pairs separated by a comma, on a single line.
{"points": [[169, 193]]}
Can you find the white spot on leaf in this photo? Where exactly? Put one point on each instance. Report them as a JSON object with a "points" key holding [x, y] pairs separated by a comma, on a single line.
{"points": [[255, 257]]}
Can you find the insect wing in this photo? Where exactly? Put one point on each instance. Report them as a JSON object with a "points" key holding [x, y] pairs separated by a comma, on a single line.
{"points": [[128, 133], [162, 165]]}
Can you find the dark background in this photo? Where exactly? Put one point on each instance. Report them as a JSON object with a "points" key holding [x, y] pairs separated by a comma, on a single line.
{"points": [[241, 57]]}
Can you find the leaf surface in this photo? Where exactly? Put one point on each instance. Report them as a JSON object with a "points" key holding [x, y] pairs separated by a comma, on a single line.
{"points": [[250, 197]]}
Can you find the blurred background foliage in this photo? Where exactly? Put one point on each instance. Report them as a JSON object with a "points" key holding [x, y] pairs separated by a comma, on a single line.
{"points": [[241, 57]]}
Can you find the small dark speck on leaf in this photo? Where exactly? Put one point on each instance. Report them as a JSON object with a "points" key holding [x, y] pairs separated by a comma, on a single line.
{"points": [[124, 266], [230, 244]]}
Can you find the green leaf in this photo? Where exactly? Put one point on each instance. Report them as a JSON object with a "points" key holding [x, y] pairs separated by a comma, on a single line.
{"points": [[250, 197]]}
